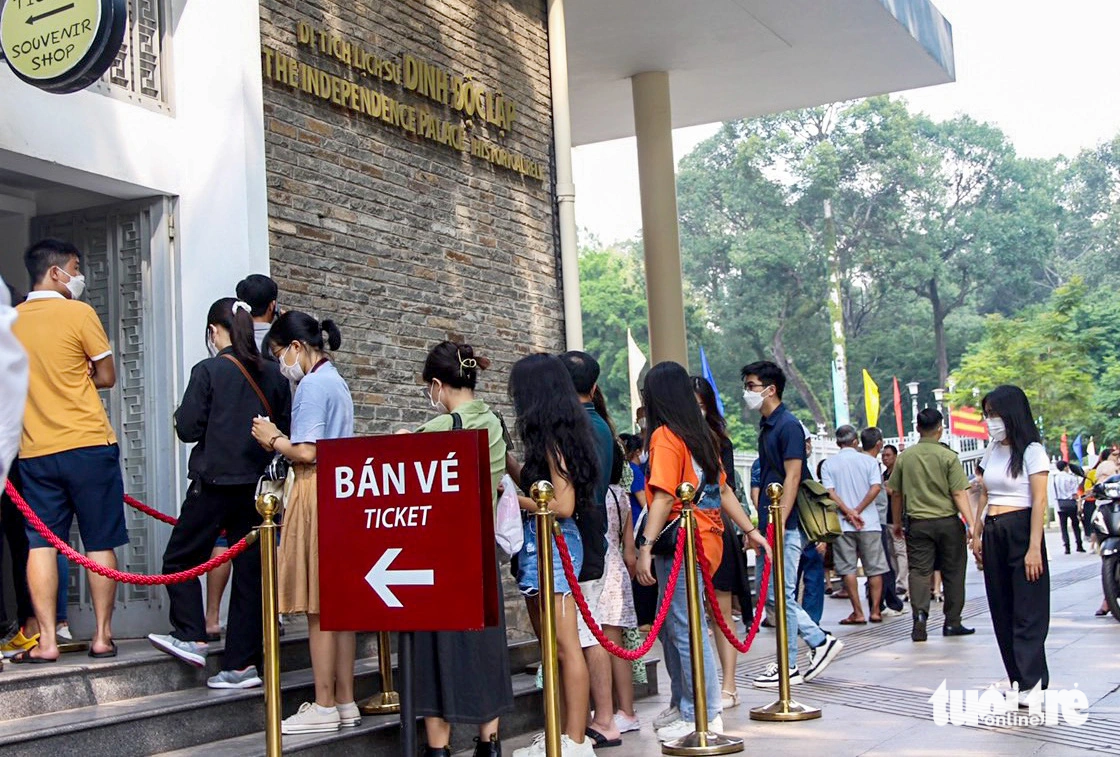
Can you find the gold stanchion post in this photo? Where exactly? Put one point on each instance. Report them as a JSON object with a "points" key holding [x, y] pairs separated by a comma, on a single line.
{"points": [[702, 741], [268, 505], [388, 701], [786, 708], [542, 493]]}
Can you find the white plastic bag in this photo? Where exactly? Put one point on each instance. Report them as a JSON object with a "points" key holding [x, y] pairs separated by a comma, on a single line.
{"points": [[507, 524]]}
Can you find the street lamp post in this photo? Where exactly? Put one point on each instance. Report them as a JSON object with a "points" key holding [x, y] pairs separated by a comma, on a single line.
{"points": [[913, 388], [939, 398]]}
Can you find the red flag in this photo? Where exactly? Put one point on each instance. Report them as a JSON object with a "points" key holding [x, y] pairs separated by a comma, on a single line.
{"points": [[1065, 447], [969, 423], [898, 409]]}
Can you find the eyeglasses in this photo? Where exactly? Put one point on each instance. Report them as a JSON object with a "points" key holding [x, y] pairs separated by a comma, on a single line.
{"points": [[753, 386]]}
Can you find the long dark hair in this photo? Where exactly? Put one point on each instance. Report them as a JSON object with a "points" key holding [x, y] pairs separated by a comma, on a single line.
{"points": [[294, 326], [1011, 405], [239, 324], [551, 421], [669, 401], [454, 365], [716, 422]]}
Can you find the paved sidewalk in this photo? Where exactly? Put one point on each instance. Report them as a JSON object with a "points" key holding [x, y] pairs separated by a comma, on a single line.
{"points": [[875, 696]]}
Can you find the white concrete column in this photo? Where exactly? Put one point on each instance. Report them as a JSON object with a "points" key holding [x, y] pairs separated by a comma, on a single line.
{"points": [[565, 187], [660, 233]]}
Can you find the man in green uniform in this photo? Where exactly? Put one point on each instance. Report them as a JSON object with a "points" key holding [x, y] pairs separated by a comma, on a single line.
{"points": [[929, 484]]}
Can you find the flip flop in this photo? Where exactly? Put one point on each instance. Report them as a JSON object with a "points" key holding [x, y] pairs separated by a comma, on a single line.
{"points": [[25, 657], [104, 655], [601, 741], [849, 621], [877, 620]]}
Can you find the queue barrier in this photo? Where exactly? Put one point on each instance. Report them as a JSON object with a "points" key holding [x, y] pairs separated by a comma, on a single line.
{"points": [[136, 579]]}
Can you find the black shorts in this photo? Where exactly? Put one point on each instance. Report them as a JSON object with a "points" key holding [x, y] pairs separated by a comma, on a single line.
{"points": [[83, 482]]}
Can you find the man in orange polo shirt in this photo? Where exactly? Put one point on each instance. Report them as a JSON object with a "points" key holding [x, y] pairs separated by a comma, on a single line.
{"points": [[69, 459]]}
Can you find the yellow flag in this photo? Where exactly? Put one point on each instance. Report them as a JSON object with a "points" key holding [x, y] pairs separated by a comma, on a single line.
{"points": [[870, 399]]}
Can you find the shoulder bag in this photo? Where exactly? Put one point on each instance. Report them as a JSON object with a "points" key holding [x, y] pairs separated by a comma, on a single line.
{"points": [[278, 477], [818, 513]]}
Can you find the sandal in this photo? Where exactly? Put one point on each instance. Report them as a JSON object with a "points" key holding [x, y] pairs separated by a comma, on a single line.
{"points": [[729, 699], [25, 657], [601, 741], [852, 621]]}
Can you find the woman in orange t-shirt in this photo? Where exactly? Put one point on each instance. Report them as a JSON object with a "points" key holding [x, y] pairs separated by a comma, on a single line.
{"points": [[681, 448]]}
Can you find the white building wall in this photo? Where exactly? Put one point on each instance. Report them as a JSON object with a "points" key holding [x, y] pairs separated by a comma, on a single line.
{"points": [[208, 154]]}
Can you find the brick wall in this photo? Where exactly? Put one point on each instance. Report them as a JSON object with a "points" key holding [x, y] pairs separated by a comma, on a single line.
{"points": [[403, 241]]}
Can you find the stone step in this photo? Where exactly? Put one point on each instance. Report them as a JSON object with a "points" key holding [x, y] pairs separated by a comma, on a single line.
{"points": [[140, 670], [380, 736]]}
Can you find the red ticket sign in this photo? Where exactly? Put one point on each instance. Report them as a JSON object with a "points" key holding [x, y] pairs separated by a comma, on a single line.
{"points": [[406, 533]]}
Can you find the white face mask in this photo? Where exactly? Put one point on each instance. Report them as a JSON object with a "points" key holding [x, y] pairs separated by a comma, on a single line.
{"points": [[753, 399], [293, 372], [210, 346], [433, 398], [996, 430], [76, 284]]}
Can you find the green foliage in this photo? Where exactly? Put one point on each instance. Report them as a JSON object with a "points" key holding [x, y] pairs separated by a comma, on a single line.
{"points": [[1048, 351], [950, 249], [613, 298]]}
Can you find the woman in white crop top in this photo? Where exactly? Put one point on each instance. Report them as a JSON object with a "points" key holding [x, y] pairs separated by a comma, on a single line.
{"points": [[1008, 543]]}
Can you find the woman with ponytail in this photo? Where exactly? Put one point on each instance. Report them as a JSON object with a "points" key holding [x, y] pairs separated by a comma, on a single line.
{"points": [[322, 409], [225, 393]]}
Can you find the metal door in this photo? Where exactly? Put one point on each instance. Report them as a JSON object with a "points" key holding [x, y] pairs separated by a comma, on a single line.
{"points": [[128, 251]]}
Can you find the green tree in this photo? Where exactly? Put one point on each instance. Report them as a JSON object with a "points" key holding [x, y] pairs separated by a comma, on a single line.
{"points": [[1047, 351], [981, 226], [613, 299]]}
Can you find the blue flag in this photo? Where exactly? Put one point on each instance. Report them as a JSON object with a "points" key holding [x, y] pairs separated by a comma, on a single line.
{"points": [[1078, 450], [706, 371]]}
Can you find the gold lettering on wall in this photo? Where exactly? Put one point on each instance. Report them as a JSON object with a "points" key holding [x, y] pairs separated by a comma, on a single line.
{"points": [[462, 95]]}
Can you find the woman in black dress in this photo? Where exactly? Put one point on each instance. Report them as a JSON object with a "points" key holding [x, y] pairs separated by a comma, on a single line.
{"points": [[463, 676]]}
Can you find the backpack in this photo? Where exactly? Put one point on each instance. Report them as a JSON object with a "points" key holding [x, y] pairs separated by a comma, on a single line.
{"points": [[592, 522]]}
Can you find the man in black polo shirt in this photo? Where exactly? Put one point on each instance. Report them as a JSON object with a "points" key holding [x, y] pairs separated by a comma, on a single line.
{"points": [[781, 452]]}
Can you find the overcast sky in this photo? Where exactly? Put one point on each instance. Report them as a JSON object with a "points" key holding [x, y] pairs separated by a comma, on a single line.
{"points": [[1045, 72]]}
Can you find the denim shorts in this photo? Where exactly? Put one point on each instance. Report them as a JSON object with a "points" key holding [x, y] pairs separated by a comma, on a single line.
{"points": [[83, 482], [527, 579]]}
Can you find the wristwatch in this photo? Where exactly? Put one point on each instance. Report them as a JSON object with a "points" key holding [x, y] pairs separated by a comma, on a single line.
{"points": [[641, 541]]}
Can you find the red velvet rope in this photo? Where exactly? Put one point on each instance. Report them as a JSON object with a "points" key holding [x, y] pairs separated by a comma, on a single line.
{"points": [[128, 578], [710, 592], [612, 648], [136, 504]]}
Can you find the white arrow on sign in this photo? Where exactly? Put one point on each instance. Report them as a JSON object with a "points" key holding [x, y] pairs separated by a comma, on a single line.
{"points": [[380, 578]]}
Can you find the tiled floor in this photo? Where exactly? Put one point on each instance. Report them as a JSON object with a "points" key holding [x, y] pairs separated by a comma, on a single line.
{"points": [[875, 697]]}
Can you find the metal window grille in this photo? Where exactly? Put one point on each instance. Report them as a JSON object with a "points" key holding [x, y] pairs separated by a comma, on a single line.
{"points": [[139, 72]]}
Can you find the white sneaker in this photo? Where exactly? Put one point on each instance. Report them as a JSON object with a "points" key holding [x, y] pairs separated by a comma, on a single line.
{"points": [[626, 724], [666, 716], [769, 679], [63, 632], [235, 679], [190, 652], [822, 656], [678, 729], [535, 749], [312, 719], [349, 714], [569, 748], [892, 613]]}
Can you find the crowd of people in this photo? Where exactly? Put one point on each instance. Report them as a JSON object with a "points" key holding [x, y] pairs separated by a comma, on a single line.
{"points": [[269, 392]]}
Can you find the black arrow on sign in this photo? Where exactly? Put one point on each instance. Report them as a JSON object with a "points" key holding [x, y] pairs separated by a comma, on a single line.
{"points": [[48, 14]]}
